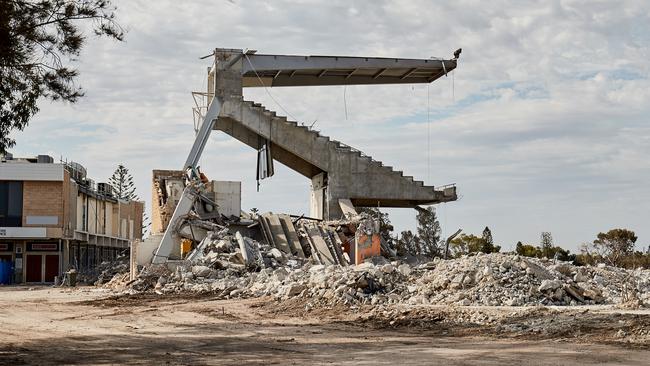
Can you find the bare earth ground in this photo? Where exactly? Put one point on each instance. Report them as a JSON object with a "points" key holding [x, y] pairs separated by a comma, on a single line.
{"points": [[82, 326]]}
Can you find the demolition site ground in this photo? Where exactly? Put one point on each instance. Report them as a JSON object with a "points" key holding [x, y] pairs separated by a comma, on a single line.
{"points": [[89, 325]]}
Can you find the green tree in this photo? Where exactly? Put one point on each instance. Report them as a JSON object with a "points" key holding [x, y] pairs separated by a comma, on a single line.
{"points": [[487, 235], [528, 250], [546, 243], [408, 243], [122, 183], [488, 242], [615, 244], [37, 40], [556, 252], [470, 243], [124, 189], [429, 232]]}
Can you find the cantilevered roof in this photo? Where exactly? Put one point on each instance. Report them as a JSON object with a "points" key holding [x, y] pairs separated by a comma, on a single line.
{"points": [[284, 70]]}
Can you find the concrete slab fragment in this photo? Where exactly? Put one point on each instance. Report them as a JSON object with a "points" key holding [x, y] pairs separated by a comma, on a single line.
{"points": [[320, 245], [292, 236], [277, 233], [348, 208]]}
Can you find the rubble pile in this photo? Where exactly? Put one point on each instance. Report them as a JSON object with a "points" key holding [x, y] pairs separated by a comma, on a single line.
{"points": [[511, 280], [105, 271], [492, 279]]}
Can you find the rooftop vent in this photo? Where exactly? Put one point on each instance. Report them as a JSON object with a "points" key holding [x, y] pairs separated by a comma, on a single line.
{"points": [[44, 159]]}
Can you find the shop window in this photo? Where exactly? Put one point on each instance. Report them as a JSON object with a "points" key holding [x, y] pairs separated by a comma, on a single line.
{"points": [[11, 204]]}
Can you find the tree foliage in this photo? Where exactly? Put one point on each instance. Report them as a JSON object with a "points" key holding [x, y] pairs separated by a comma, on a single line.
{"points": [[528, 250], [428, 232], [470, 243], [122, 183], [37, 41], [408, 243], [488, 242], [555, 252], [614, 245], [487, 235], [427, 240], [546, 243], [124, 189]]}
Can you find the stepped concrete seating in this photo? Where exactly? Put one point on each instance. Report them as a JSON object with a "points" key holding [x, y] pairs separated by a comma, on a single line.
{"points": [[337, 171]]}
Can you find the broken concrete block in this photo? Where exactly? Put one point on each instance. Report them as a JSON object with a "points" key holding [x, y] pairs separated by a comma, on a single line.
{"points": [[320, 246], [276, 253], [201, 271], [388, 268], [574, 292], [277, 232], [223, 246], [242, 247], [580, 276], [291, 235], [405, 269], [550, 285], [280, 274], [295, 289]]}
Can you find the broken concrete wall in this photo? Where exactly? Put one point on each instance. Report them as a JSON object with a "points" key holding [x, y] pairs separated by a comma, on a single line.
{"points": [[228, 197], [167, 187]]}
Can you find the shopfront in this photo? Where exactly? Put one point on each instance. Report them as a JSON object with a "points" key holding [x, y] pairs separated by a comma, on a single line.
{"points": [[42, 262]]}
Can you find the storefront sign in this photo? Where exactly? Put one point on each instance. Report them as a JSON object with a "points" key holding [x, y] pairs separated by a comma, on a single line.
{"points": [[43, 247], [22, 232]]}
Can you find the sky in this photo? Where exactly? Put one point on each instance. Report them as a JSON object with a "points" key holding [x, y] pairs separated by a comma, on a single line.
{"points": [[543, 126]]}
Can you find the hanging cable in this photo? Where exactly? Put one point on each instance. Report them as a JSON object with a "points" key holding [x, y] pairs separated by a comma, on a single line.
{"points": [[345, 103]]}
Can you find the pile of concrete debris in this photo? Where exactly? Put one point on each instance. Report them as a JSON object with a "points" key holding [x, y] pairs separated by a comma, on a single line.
{"points": [[284, 242], [502, 279], [220, 267], [105, 271]]}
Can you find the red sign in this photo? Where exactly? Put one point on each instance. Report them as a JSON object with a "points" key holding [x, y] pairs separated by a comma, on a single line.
{"points": [[4, 247]]}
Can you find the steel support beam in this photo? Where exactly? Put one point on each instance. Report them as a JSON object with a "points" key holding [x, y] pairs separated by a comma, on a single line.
{"points": [[204, 134], [170, 237]]}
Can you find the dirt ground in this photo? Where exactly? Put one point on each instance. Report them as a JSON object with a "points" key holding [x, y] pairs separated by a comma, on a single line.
{"points": [[44, 325]]}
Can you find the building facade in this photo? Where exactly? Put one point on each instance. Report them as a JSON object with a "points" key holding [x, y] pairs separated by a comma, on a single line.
{"points": [[53, 218]]}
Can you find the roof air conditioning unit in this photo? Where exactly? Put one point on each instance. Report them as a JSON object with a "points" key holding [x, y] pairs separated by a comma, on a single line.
{"points": [[89, 183], [44, 159], [105, 189]]}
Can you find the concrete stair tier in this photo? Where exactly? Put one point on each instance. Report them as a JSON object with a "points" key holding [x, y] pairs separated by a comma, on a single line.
{"points": [[337, 171]]}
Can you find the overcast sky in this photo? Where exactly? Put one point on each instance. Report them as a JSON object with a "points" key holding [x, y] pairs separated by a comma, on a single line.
{"points": [[543, 126]]}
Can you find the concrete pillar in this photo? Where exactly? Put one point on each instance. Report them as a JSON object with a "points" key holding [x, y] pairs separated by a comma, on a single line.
{"points": [[317, 199], [228, 73], [65, 260]]}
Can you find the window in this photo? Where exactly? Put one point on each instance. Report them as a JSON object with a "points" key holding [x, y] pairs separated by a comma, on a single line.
{"points": [[11, 204]]}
